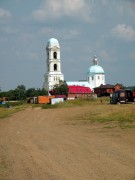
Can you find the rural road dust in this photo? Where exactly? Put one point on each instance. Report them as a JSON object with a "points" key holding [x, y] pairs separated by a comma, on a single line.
{"points": [[37, 144]]}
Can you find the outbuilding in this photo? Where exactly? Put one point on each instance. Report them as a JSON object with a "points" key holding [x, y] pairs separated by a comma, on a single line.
{"points": [[106, 90]]}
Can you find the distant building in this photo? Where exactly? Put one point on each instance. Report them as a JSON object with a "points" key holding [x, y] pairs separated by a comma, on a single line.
{"points": [[79, 90], [106, 90], [95, 75]]}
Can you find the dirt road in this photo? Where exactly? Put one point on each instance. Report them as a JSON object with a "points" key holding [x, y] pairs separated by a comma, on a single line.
{"points": [[38, 144]]}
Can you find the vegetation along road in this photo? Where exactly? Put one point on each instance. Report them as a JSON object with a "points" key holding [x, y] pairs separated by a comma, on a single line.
{"points": [[91, 142]]}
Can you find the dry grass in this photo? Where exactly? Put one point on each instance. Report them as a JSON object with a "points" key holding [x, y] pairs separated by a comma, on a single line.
{"points": [[100, 111], [14, 107], [122, 116], [5, 112]]}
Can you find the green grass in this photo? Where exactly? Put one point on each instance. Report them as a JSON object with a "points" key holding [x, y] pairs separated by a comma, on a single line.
{"points": [[20, 105], [77, 102], [100, 111], [121, 115], [14, 107], [5, 112]]}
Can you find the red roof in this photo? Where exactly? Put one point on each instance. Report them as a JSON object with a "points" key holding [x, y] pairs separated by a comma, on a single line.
{"points": [[79, 89]]}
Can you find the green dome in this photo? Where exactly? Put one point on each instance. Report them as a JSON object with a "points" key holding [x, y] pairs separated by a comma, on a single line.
{"points": [[95, 70]]}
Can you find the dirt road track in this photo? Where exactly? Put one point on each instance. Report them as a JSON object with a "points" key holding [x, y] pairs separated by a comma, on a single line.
{"points": [[38, 144]]}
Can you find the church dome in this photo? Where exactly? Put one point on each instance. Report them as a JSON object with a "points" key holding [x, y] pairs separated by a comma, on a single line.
{"points": [[95, 70], [53, 42]]}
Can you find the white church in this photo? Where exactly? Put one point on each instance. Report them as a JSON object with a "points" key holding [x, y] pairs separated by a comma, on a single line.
{"points": [[95, 75]]}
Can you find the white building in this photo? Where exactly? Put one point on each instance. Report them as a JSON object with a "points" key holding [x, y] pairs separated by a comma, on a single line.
{"points": [[53, 65], [95, 74]]}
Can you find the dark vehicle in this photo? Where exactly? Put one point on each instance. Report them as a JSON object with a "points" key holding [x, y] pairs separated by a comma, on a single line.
{"points": [[134, 95], [118, 97], [129, 95]]}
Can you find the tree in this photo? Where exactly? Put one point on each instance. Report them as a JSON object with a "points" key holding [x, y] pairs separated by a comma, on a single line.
{"points": [[31, 92], [61, 88], [20, 92], [42, 92], [11, 94]]}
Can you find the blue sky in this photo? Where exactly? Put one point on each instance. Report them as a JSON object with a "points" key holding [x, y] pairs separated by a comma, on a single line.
{"points": [[83, 28]]}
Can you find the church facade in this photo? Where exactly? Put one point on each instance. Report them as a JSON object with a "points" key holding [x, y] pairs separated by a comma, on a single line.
{"points": [[95, 75]]}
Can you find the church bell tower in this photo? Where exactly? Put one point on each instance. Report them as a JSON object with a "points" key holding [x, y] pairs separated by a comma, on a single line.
{"points": [[53, 64]]}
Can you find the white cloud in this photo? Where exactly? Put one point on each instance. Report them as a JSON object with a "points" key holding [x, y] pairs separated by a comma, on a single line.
{"points": [[122, 31], [55, 9], [4, 13]]}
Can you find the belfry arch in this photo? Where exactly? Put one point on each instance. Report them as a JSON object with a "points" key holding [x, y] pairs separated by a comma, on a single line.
{"points": [[55, 55], [55, 67]]}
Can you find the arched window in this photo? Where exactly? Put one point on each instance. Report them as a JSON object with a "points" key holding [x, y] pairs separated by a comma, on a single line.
{"points": [[55, 67], [92, 78], [55, 55]]}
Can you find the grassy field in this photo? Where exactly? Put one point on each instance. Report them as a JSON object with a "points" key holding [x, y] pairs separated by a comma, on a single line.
{"points": [[122, 116], [5, 112], [100, 111], [10, 108]]}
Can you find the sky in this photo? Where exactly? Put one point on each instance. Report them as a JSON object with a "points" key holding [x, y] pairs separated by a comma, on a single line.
{"points": [[84, 28]]}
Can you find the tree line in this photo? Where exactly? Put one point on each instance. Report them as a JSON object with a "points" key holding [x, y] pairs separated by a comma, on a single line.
{"points": [[21, 93]]}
